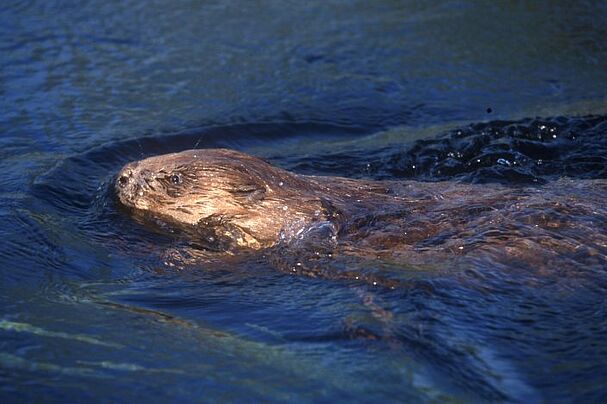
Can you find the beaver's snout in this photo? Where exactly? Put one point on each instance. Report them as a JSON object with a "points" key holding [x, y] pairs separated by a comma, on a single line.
{"points": [[123, 181], [131, 185]]}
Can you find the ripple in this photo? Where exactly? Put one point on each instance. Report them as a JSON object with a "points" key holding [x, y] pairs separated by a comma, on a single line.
{"points": [[523, 152], [530, 151], [458, 317]]}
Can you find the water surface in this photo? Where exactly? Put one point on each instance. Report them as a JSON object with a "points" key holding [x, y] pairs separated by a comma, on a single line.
{"points": [[379, 90]]}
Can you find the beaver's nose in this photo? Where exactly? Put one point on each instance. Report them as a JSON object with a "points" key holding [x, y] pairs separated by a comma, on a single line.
{"points": [[123, 181], [132, 182], [125, 177], [126, 180]]}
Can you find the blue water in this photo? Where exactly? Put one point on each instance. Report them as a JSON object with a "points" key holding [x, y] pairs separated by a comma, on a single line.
{"points": [[88, 309]]}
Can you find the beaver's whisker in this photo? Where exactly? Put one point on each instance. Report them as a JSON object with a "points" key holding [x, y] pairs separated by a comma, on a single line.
{"points": [[197, 142]]}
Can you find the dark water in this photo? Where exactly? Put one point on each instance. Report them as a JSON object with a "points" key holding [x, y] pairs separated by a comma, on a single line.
{"points": [[381, 90]]}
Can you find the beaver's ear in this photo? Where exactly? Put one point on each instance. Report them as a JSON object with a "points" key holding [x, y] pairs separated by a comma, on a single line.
{"points": [[250, 192]]}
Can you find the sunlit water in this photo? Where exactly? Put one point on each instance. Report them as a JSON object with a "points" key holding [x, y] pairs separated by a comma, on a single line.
{"points": [[376, 90]]}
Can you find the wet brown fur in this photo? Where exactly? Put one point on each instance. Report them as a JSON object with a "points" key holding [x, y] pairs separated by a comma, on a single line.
{"points": [[238, 201]]}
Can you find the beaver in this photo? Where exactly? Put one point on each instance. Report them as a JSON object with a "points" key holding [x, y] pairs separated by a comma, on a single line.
{"points": [[229, 201]]}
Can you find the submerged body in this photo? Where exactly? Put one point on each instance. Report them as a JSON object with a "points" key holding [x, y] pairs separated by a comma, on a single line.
{"points": [[230, 201]]}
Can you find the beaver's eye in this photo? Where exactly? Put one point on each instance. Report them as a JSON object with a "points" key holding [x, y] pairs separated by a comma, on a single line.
{"points": [[175, 179], [122, 181]]}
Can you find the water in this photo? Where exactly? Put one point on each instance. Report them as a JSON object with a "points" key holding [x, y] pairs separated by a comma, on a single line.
{"points": [[89, 310]]}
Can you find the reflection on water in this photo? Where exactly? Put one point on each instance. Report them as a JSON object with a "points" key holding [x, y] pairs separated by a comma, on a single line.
{"points": [[89, 309]]}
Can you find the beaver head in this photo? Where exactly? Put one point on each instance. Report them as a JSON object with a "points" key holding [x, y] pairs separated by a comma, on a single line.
{"points": [[228, 198]]}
